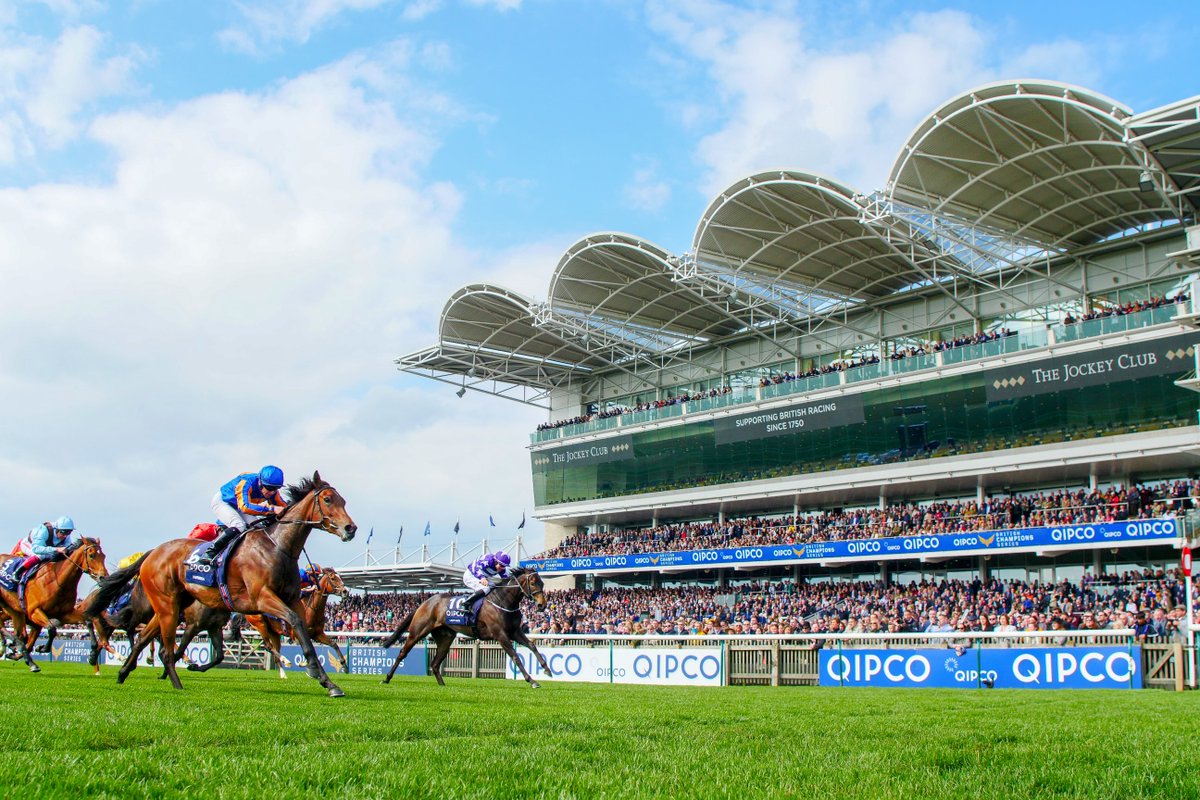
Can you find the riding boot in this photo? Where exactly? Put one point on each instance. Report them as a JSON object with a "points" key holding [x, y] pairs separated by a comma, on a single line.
{"points": [[220, 543], [469, 603]]}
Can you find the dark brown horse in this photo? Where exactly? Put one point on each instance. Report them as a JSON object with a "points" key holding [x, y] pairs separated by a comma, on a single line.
{"points": [[50, 594], [499, 620], [328, 582], [137, 612], [263, 576]]}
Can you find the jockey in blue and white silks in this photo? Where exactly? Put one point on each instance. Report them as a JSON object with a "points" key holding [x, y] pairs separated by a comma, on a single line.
{"points": [[46, 541], [483, 570], [240, 500]]}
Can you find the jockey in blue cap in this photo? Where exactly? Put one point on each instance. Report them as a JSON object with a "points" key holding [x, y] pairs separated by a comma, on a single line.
{"points": [[482, 571], [44, 542], [240, 500]]}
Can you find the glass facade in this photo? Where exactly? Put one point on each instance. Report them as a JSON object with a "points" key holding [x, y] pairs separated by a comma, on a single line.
{"points": [[926, 419]]}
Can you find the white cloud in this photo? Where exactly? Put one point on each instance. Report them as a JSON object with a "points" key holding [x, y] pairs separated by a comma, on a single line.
{"points": [[268, 23], [235, 296], [646, 191], [791, 97], [47, 88]]}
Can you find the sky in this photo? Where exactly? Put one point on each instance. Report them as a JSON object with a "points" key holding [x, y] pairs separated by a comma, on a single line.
{"points": [[221, 222]]}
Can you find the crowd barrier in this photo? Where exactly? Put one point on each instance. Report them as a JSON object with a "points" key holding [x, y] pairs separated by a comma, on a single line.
{"points": [[1023, 659]]}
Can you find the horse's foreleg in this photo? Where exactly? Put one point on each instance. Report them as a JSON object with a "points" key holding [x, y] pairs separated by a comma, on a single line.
{"points": [[270, 640], [293, 615], [506, 643], [520, 638], [216, 643], [323, 638]]}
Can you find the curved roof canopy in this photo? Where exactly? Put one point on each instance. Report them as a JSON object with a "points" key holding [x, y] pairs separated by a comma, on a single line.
{"points": [[1044, 161], [802, 233], [628, 283], [489, 333]]}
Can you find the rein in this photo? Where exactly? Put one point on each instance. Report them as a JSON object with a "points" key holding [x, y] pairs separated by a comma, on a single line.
{"points": [[515, 582]]}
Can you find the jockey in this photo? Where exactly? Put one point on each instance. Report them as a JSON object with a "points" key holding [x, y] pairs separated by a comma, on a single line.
{"points": [[238, 501], [479, 574], [310, 576], [45, 542]]}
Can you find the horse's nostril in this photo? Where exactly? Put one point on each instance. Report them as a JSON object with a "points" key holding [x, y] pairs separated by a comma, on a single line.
{"points": [[351, 529]]}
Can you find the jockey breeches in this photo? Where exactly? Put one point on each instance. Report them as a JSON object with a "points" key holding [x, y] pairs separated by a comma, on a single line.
{"points": [[473, 583], [229, 516]]}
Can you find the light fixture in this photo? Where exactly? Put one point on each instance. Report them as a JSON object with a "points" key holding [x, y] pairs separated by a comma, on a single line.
{"points": [[461, 391], [1146, 181], [471, 372]]}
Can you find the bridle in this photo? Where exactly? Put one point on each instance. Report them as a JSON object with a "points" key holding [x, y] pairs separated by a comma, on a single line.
{"points": [[323, 523], [517, 582], [86, 547]]}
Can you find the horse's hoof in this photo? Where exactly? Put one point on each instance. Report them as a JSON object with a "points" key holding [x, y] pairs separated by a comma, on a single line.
{"points": [[41, 648], [336, 692], [34, 668], [534, 685], [193, 668]]}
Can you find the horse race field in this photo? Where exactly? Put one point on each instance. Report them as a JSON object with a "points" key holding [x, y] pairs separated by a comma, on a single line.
{"points": [[241, 734]]}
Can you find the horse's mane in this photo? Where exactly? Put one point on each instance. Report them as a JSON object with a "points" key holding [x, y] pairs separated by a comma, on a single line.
{"points": [[298, 491], [80, 542]]}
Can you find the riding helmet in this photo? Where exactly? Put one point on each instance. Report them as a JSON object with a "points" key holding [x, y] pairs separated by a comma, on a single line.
{"points": [[64, 524], [270, 477]]}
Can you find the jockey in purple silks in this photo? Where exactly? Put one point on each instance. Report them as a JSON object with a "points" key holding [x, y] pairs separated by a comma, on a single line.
{"points": [[479, 575]]}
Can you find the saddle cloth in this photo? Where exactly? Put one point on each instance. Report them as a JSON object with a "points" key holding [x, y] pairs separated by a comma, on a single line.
{"points": [[457, 615], [204, 575], [119, 604], [8, 572]]}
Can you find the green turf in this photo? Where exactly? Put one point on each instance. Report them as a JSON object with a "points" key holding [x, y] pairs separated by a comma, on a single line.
{"points": [[249, 734]]}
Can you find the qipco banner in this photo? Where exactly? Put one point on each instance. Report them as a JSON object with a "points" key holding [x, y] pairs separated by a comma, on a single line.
{"points": [[1142, 531], [296, 660], [368, 660], [683, 666], [1003, 668], [198, 653]]}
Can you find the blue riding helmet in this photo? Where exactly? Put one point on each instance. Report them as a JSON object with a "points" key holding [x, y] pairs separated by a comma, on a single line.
{"points": [[270, 477], [64, 524]]}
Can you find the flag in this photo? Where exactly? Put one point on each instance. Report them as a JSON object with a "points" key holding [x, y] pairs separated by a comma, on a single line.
{"points": [[369, 535], [401, 536], [522, 525], [456, 527], [491, 521], [426, 529]]}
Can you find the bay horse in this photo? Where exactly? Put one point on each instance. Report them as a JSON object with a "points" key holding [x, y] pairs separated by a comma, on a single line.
{"points": [[328, 582], [50, 594], [137, 612], [263, 576], [499, 620]]}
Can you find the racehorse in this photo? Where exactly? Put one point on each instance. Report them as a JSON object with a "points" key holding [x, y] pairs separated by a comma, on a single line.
{"points": [[137, 612], [328, 582], [499, 620], [50, 594], [263, 576]]}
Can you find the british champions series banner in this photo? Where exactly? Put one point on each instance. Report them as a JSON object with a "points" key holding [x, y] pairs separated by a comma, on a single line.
{"points": [[994, 667], [1093, 368], [1144, 531]]}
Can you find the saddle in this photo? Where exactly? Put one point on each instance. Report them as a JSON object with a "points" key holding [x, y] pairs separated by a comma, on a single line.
{"points": [[201, 574], [457, 615]]}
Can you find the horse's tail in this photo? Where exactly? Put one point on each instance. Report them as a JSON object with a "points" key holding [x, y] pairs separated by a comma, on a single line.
{"points": [[401, 629], [110, 588]]}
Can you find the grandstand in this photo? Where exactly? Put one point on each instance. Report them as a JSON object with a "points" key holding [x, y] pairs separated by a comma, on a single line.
{"points": [[1015, 312]]}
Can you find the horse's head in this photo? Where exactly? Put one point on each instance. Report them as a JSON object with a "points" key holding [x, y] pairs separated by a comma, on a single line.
{"points": [[316, 502], [531, 584], [87, 555], [331, 583]]}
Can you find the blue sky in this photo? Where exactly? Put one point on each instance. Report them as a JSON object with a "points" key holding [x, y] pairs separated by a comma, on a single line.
{"points": [[224, 220]]}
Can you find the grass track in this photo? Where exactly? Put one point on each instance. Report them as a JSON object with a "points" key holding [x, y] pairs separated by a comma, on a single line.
{"points": [[249, 734]]}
